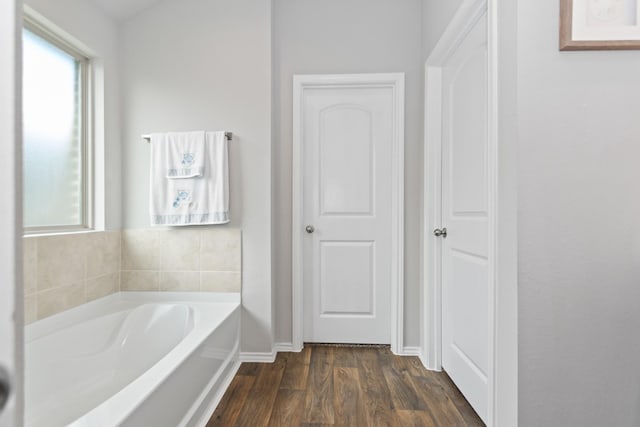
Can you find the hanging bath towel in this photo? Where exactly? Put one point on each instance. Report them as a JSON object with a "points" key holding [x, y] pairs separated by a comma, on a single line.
{"points": [[191, 201], [185, 153]]}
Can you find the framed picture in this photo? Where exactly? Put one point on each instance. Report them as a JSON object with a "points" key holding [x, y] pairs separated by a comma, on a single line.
{"points": [[599, 24]]}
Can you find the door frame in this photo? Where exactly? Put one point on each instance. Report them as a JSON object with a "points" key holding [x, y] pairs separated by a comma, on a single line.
{"points": [[502, 208], [11, 292], [395, 81]]}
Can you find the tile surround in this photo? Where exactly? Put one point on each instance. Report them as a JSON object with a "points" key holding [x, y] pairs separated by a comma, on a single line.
{"points": [[180, 281], [29, 259], [102, 286], [103, 253], [220, 281], [64, 271], [193, 259], [220, 250], [140, 249], [139, 281], [61, 260], [180, 250], [30, 309], [58, 299]]}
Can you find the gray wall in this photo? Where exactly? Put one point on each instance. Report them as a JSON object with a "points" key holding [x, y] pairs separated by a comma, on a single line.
{"points": [[578, 223], [579, 229], [354, 36], [436, 15], [206, 64], [99, 34]]}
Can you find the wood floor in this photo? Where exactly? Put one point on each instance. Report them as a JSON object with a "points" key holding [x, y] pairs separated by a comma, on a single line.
{"points": [[342, 386]]}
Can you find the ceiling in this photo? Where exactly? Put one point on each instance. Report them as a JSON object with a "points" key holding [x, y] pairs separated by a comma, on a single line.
{"points": [[121, 10]]}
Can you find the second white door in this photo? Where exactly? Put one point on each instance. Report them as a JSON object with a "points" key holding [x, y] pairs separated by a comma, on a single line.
{"points": [[466, 257], [347, 165]]}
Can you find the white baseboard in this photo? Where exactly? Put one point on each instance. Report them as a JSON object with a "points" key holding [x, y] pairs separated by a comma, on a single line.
{"points": [[257, 357], [424, 360], [285, 347], [411, 351]]}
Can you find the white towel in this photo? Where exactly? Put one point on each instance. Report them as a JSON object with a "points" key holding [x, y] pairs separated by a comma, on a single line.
{"points": [[191, 201], [185, 153]]}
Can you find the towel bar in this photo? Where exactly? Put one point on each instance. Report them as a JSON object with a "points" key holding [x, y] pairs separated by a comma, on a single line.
{"points": [[228, 135]]}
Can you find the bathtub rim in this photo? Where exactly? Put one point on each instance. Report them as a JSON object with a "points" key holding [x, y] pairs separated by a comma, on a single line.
{"points": [[100, 307]]}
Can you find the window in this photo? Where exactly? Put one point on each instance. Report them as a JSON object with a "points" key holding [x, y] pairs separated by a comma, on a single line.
{"points": [[55, 143]]}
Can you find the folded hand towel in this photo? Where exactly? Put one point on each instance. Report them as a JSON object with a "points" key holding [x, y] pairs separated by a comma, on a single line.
{"points": [[189, 201], [185, 154]]}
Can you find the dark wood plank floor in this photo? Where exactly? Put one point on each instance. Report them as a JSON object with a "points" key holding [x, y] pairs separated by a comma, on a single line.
{"points": [[342, 386]]}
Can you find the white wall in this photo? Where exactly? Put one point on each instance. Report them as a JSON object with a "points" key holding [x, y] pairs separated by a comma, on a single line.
{"points": [[99, 34], [579, 229], [206, 64], [331, 37]]}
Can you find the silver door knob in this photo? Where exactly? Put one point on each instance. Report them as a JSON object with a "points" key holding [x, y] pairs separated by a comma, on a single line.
{"points": [[440, 232], [310, 229], [5, 388]]}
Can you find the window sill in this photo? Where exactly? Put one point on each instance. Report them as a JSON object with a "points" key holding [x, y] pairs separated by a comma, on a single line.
{"points": [[45, 233]]}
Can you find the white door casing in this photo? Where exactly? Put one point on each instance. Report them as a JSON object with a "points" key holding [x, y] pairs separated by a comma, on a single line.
{"points": [[479, 246], [11, 213], [348, 155]]}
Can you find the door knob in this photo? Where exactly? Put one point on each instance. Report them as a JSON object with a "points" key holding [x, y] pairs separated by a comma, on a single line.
{"points": [[5, 388], [440, 232], [310, 229]]}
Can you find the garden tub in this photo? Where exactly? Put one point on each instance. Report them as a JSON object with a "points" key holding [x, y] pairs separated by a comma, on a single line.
{"points": [[132, 359]]}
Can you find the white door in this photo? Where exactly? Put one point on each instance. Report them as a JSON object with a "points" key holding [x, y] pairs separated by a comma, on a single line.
{"points": [[465, 250], [10, 223], [347, 165]]}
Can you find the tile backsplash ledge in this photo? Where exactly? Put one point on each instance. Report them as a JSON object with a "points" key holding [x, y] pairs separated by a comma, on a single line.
{"points": [[64, 271]]}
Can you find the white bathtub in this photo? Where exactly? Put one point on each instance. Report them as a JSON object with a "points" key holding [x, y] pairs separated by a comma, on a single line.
{"points": [[132, 359]]}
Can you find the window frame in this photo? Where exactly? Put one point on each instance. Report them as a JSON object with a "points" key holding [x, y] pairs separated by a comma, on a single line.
{"points": [[86, 142]]}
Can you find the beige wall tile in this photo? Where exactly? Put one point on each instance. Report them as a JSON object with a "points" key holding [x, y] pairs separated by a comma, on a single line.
{"points": [[141, 250], [103, 253], [180, 250], [61, 260], [30, 309], [30, 264], [60, 299], [220, 281], [139, 281], [62, 272], [102, 286], [179, 281], [220, 249]]}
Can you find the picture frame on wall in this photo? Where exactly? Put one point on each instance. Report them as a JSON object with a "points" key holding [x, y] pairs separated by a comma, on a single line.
{"points": [[599, 24]]}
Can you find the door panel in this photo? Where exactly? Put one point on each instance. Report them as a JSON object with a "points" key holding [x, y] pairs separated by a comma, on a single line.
{"points": [[467, 105], [347, 139], [346, 161], [467, 288], [347, 289], [465, 268]]}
